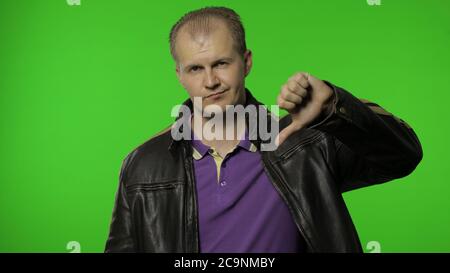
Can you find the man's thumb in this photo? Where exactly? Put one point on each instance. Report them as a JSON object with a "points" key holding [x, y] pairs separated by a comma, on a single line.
{"points": [[285, 133], [313, 81]]}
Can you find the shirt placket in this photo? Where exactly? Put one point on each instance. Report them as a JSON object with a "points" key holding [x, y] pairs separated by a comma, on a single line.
{"points": [[222, 183]]}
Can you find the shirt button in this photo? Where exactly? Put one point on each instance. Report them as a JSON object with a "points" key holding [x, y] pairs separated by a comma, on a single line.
{"points": [[223, 183]]}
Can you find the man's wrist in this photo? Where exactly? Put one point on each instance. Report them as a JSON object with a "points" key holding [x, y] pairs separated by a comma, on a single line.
{"points": [[329, 106]]}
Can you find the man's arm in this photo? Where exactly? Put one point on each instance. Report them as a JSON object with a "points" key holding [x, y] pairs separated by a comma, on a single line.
{"points": [[120, 237], [372, 145]]}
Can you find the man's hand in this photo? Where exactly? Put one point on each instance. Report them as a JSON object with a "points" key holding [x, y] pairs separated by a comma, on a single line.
{"points": [[304, 97]]}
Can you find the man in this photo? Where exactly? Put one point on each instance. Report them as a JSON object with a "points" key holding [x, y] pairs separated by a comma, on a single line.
{"points": [[230, 195]]}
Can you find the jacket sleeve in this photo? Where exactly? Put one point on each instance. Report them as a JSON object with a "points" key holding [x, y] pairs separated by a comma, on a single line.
{"points": [[371, 145], [120, 237]]}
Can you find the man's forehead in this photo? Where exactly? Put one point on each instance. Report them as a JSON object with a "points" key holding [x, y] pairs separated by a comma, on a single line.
{"points": [[217, 40], [199, 41]]}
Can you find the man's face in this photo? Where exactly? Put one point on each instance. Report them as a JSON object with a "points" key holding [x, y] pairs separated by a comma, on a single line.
{"points": [[210, 67]]}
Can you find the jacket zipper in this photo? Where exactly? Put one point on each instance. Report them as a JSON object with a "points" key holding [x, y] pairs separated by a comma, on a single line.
{"points": [[281, 188], [191, 186]]}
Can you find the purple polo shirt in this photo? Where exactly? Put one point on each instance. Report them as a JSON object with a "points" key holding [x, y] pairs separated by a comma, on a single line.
{"points": [[239, 208]]}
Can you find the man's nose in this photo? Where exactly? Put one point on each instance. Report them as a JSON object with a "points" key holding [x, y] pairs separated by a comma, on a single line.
{"points": [[211, 81]]}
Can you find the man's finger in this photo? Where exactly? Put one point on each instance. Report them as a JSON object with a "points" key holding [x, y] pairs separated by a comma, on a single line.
{"points": [[314, 82], [302, 79], [294, 87], [291, 96], [284, 104]]}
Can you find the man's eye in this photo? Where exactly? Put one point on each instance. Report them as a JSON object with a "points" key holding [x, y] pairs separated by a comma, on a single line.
{"points": [[221, 63], [195, 68]]}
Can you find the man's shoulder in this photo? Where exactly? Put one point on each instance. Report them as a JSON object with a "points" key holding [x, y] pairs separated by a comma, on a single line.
{"points": [[152, 150]]}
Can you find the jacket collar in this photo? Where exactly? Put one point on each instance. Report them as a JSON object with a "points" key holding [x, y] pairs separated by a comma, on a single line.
{"points": [[200, 149], [253, 134]]}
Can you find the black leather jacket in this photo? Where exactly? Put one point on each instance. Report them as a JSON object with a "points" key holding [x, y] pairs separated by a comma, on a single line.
{"points": [[357, 145]]}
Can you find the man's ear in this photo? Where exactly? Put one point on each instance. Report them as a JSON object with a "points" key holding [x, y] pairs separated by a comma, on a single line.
{"points": [[177, 70], [248, 61]]}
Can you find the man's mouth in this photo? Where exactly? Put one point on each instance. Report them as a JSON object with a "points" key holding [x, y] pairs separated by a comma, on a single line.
{"points": [[216, 95]]}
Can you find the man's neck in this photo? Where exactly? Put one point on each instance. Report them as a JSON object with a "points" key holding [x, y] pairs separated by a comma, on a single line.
{"points": [[221, 142]]}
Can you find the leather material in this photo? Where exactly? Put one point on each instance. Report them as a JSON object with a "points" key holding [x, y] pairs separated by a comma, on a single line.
{"points": [[357, 144]]}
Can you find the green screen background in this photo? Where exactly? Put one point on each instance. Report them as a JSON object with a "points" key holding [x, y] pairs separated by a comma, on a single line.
{"points": [[81, 86]]}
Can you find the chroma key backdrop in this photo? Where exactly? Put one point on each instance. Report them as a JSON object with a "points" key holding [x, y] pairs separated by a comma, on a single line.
{"points": [[84, 82]]}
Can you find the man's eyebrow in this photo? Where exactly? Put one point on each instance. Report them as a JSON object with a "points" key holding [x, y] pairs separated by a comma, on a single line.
{"points": [[224, 59], [188, 67]]}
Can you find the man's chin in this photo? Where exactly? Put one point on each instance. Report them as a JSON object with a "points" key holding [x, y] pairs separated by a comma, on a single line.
{"points": [[222, 104], [213, 108]]}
